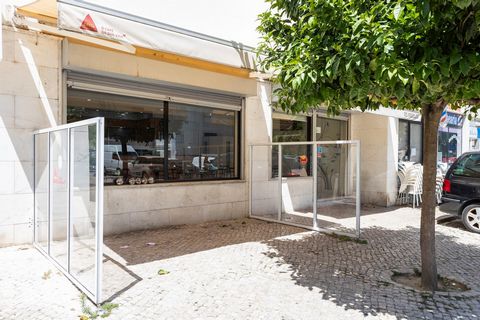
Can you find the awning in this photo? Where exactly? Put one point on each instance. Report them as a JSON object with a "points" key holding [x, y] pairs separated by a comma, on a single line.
{"points": [[110, 24]]}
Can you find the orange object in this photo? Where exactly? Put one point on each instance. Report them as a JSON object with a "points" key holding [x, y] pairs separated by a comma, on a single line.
{"points": [[303, 160]]}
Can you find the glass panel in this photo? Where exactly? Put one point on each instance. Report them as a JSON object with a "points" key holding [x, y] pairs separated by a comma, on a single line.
{"points": [[265, 191], [297, 194], [449, 142], [416, 142], [336, 186], [41, 190], [295, 162], [201, 143], [403, 141], [134, 142], [59, 196], [468, 166], [83, 205], [331, 158], [329, 129]]}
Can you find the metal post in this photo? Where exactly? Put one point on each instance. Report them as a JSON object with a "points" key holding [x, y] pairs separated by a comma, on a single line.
{"points": [[50, 193], [314, 174], [69, 198], [250, 185], [34, 223], [99, 210], [280, 196], [357, 207]]}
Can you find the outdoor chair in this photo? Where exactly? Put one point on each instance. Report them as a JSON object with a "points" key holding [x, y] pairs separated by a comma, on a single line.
{"points": [[403, 167], [414, 184], [439, 185]]}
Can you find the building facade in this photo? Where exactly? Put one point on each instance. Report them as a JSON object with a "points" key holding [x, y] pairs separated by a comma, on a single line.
{"points": [[177, 127]]}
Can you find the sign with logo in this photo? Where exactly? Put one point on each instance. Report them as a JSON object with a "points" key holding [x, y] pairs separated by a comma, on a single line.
{"points": [[137, 31], [454, 119], [401, 114]]}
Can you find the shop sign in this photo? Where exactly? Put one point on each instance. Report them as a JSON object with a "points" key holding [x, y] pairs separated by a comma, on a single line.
{"points": [[452, 119], [401, 114], [137, 31]]}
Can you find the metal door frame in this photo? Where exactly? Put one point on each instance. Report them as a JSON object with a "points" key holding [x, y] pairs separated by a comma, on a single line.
{"points": [[96, 296]]}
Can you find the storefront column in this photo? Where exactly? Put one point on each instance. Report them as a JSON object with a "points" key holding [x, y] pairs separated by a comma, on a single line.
{"points": [[379, 142]]}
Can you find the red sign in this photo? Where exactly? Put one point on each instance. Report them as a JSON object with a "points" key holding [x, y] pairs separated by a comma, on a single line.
{"points": [[88, 24]]}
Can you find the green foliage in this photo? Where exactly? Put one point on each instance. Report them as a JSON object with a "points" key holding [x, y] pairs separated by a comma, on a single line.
{"points": [[367, 53], [162, 272], [104, 311]]}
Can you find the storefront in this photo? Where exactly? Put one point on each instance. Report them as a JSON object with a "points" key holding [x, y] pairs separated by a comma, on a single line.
{"points": [[178, 123], [450, 137], [191, 135]]}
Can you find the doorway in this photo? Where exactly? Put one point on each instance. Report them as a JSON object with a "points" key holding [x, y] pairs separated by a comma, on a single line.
{"points": [[331, 159]]}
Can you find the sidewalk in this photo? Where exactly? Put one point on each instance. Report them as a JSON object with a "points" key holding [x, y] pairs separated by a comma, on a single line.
{"points": [[249, 269]]}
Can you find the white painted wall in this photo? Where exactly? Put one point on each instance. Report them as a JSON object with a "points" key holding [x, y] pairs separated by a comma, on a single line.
{"points": [[378, 136], [29, 100]]}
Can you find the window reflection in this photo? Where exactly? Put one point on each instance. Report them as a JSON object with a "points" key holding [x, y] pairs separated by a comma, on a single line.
{"points": [[295, 158], [150, 141]]}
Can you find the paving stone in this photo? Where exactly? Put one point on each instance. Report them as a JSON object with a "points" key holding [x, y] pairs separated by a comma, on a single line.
{"points": [[250, 269]]}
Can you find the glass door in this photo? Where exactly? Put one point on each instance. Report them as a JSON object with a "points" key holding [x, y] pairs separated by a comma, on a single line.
{"points": [[331, 159]]}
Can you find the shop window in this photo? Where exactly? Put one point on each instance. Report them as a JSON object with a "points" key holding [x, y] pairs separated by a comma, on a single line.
{"points": [[151, 141], [295, 158], [410, 141], [201, 143], [449, 144]]}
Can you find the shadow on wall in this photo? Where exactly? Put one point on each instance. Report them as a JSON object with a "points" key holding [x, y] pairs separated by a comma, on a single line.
{"points": [[28, 101], [352, 275]]}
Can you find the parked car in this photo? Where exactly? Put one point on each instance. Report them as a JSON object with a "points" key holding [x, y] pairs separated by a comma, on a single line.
{"points": [[148, 168], [114, 158], [461, 190]]}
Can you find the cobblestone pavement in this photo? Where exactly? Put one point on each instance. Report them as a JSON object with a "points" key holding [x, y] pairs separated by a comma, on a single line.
{"points": [[249, 269]]}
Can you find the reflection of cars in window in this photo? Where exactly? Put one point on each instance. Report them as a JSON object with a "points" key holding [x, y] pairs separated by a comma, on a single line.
{"points": [[148, 168], [206, 162], [114, 158]]}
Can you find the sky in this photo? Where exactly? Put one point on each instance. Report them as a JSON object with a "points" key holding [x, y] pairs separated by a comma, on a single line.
{"points": [[233, 20]]}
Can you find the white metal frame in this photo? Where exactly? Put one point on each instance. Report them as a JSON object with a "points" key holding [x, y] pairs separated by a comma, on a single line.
{"points": [[314, 145], [99, 122]]}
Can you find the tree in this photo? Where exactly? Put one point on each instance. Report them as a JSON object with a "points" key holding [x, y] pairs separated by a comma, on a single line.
{"points": [[405, 54]]}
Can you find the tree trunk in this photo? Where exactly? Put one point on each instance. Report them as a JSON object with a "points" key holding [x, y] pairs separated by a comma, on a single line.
{"points": [[431, 117]]}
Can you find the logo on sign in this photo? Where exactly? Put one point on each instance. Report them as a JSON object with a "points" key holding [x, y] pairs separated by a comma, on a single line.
{"points": [[88, 24]]}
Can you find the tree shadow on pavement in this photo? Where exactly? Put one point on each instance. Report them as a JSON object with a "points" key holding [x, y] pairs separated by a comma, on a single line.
{"points": [[355, 276], [173, 241]]}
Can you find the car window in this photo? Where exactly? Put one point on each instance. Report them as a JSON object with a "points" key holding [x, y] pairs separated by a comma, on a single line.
{"points": [[469, 166]]}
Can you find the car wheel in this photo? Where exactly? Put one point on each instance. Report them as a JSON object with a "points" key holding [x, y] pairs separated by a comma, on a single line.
{"points": [[131, 181], [471, 217], [144, 178], [119, 181]]}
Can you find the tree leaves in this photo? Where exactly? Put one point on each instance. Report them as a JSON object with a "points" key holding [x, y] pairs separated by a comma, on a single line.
{"points": [[397, 11], [349, 54]]}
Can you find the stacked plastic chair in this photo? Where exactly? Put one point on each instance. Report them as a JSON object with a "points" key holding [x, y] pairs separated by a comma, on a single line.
{"points": [[402, 173], [439, 185], [415, 184]]}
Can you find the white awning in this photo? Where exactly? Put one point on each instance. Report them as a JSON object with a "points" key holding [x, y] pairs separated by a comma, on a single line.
{"points": [[110, 24]]}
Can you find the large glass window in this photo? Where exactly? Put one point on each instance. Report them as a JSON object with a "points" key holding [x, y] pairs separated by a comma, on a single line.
{"points": [[201, 142], [149, 141], [449, 144], [410, 141], [295, 158]]}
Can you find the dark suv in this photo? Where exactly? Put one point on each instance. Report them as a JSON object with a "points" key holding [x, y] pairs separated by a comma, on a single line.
{"points": [[461, 190]]}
